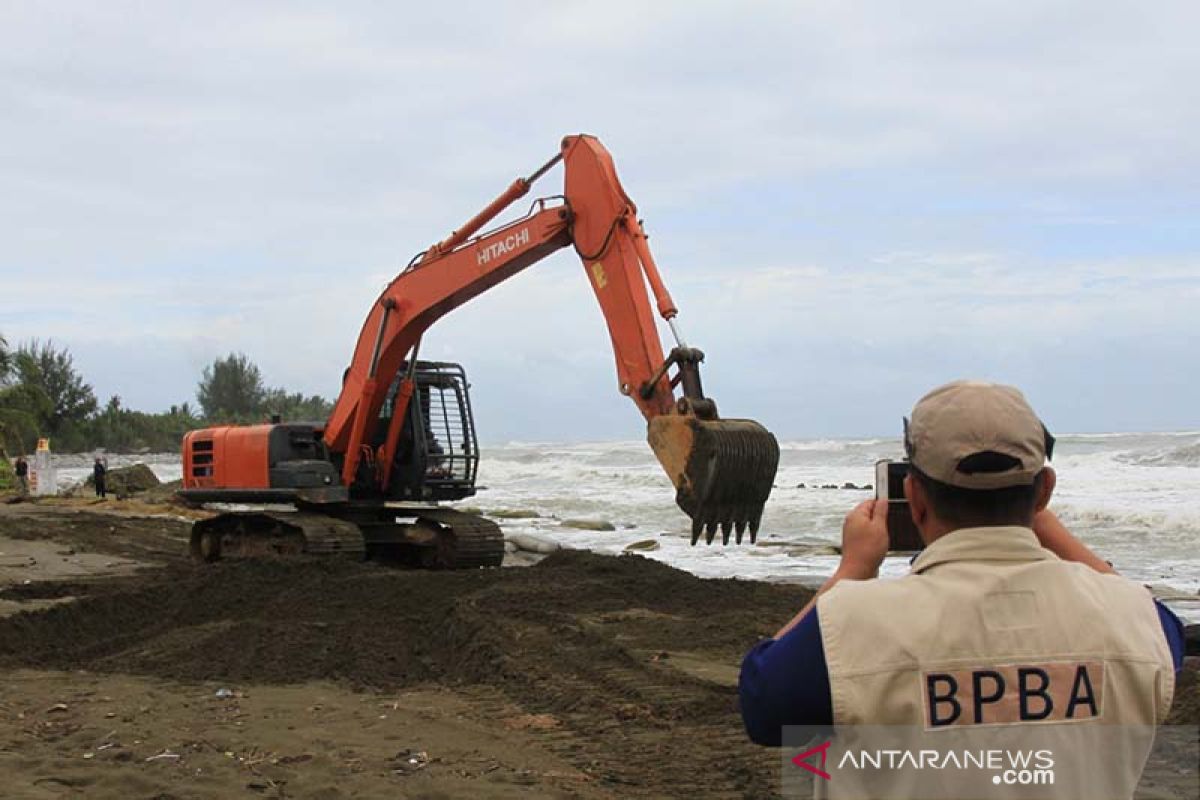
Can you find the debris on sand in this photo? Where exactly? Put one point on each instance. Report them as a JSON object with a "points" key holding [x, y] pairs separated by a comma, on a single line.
{"points": [[645, 545], [589, 524], [512, 513], [409, 760]]}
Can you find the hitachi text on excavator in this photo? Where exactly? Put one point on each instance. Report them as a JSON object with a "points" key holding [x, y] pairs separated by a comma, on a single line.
{"points": [[401, 438]]}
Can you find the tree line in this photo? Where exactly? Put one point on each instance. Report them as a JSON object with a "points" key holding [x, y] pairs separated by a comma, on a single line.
{"points": [[42, 394]]}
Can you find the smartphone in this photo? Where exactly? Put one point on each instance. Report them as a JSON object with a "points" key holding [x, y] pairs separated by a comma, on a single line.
{"points": [[889, 486]]}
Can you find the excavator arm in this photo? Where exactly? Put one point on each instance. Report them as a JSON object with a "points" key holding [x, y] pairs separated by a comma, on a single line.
{"points": [[722, 469]]}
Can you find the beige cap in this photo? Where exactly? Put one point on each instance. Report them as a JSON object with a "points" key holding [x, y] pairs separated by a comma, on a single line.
{"points": [[977, 435]]}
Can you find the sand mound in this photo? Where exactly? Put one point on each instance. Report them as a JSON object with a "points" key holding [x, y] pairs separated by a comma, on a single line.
{"points": [[125, 481], [542, 634], [162, 493], [373, 626]]}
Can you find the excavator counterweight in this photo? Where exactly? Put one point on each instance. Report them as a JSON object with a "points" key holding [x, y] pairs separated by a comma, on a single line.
{"points": [[401, 431]]}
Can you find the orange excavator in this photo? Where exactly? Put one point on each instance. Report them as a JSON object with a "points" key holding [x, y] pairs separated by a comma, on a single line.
{"points": [[401, 437]]}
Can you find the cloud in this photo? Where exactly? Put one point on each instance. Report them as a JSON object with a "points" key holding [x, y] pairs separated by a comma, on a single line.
{"points": [[831, 190]]}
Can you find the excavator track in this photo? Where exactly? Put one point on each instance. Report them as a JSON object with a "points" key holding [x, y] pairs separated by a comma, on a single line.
{"points": [[441, 539], [465, 541], [257, 534]]}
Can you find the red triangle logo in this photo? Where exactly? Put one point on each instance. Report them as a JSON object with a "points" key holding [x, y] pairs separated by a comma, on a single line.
{"points": [[801, 760]]}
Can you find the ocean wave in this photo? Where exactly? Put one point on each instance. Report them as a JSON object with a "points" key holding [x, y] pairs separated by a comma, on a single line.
{"points": [[1187, 455], [833, 445], [1174, 524], [1120, 434]]}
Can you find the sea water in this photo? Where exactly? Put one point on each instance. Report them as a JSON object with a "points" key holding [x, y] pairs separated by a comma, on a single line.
{"points": [[1133, 497]]}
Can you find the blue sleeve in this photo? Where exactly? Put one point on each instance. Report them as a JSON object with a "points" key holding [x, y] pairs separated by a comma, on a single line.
{"points": [[785, 682], [1173, 628]]}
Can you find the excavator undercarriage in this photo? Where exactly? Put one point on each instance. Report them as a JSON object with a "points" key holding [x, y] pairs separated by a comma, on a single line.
{"points": [[426, 537]]}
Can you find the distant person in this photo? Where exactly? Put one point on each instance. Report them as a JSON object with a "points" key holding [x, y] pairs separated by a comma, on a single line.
{"points": [[22, 469], [99, 473], [1005, 620]]}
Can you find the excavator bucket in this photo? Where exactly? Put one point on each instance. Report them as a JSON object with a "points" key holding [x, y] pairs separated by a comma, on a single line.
{"points": [[722, 469]]}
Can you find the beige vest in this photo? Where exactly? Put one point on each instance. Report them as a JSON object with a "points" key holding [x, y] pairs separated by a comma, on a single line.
{"points": [[990, 629]]}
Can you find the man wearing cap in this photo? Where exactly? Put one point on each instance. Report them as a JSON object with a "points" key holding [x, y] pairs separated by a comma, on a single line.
{"points": [[1004, 619]]}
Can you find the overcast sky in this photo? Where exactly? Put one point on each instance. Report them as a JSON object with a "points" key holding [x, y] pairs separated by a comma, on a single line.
{"points": [[851, 202]]}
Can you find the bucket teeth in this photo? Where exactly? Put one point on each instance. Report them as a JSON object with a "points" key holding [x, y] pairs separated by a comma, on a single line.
{"points": [[731, 471], [722, 470], [735, 520]]}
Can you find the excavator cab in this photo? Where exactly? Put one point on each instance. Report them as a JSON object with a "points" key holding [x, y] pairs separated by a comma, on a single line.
{"points": [[438, 455]]}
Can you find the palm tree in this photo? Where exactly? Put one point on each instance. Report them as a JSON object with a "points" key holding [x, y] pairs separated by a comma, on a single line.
{"points": [[20, 406]]}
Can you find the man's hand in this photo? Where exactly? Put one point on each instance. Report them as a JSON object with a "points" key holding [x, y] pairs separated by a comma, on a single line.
{"points": [[864, 540]]}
